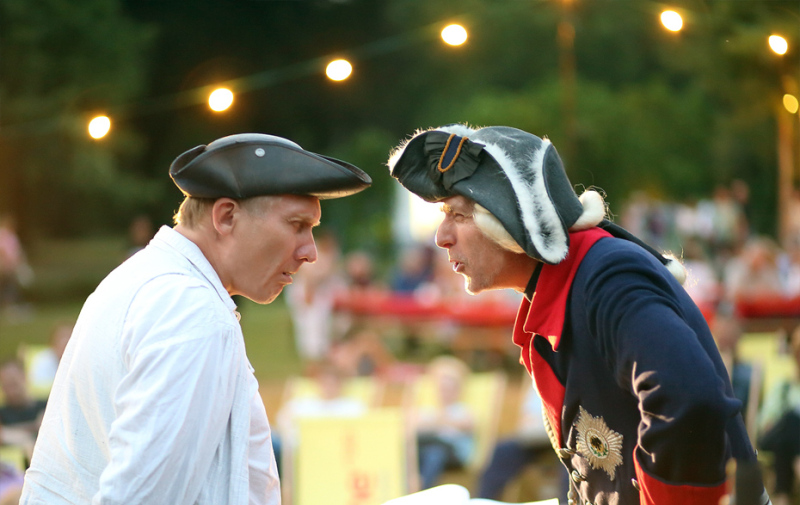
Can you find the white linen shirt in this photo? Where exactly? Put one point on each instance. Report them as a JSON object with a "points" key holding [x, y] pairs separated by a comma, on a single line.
{"points": [[154, 400]]}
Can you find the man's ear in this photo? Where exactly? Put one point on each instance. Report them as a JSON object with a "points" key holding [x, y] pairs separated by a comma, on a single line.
{"points": [[223, 215]]}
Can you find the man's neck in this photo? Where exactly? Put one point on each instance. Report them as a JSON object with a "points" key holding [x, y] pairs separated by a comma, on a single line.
{"points": [[206, 242]]}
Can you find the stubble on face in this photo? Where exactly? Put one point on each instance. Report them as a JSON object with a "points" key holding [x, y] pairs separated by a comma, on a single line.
{"points": [[484, 264], [487, 258]]}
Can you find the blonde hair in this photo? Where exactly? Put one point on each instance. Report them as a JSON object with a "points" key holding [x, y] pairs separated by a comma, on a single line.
{"points": [[194, 209]]}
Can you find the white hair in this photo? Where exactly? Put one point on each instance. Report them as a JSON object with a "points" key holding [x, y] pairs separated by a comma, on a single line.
{"points": [[594, 209]]}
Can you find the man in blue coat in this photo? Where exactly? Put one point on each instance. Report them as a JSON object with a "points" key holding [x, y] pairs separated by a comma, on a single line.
{"points": [[637, 401]]}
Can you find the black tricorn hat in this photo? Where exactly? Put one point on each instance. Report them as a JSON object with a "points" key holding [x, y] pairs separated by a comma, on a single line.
{"points": [[518, 177], [254, 164]]}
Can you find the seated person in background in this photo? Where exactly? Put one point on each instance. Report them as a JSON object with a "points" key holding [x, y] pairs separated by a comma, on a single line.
{"points": [[21, 415], [360, 276], [360, 352], [10, 484], [445, 430], [727, 331], [311, 298], [414, 268], [779, 423], [511, 455], [329, 403], [44, 365], [753, 274]]}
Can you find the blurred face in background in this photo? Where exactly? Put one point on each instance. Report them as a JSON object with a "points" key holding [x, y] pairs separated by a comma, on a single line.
{"points": [[13, 384]]}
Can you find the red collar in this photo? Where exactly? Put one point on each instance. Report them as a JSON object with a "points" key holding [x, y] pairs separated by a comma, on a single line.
{"points": [[545, 316]]}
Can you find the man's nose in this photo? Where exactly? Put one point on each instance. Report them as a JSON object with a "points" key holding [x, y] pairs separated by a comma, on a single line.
{"points": [[307, 252], [444, 235]]}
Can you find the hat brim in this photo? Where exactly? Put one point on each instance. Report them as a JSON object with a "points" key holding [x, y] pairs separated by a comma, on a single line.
{"points": [[257, 165]]}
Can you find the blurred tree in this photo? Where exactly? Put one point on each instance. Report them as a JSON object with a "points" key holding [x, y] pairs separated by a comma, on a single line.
{"points": [[673, 114], [60, 62]]}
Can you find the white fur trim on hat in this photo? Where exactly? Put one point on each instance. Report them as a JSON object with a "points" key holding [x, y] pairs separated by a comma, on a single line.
{"points": [[461, 130], [539, 215], [594, 210], [676, 268]]}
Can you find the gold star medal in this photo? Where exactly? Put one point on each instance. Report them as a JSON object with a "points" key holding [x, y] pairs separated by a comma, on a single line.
{"points": [[598, 443]]}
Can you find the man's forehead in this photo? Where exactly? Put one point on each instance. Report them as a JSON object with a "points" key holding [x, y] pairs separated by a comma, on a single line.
{"points": [[457, 202], [306, 208]]}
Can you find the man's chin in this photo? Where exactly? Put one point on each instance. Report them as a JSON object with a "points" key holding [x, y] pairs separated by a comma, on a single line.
{"points": [[265, 299], [474, 288], [471, 288]]}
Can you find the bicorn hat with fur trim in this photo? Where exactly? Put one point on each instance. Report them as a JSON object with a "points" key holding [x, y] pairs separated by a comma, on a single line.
{"points": [[516, 176], [253, 164]]}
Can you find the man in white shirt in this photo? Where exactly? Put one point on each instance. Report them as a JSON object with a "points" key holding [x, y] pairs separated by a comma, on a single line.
{"points": [[154, 400]]}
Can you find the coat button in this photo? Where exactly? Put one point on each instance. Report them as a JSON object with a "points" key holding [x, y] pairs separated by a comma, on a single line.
{"points": [[577, 477], [635, 484]]}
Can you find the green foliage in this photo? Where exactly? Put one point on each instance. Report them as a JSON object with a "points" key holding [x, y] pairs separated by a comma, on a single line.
{"points": [[364, 220], [669, 113], [63, 61]]}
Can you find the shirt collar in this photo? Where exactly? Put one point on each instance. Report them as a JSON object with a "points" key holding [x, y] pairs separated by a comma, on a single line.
{"points": [[170, 238]]}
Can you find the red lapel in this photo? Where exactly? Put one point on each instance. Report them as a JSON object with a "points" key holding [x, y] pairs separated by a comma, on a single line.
{"points": [[545, 316]]}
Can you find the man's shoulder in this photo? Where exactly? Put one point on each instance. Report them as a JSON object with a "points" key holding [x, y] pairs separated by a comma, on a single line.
{"points": [[614, 263], [617, 252], [149, 265], [152, 281]]}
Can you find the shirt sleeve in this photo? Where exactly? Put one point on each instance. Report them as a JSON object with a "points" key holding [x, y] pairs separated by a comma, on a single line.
{"points": [[173, 404], [650, 338]]}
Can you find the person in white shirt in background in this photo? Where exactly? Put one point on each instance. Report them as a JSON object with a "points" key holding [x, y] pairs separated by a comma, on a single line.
{"points": [[155, 400], [44, 364]]}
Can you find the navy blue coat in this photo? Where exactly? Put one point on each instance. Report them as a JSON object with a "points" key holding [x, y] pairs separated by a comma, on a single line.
{"points": [[638, 398]]}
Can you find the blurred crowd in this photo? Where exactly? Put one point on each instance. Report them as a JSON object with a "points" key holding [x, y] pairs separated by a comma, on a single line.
{"points": [[727, 260]]}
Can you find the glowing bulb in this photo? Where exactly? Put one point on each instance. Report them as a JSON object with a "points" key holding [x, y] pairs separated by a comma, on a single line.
{"points": [[778, 44], [672, 21], [338, 70], [790, 103], [99, 127], [455, 35], [220, 99]]}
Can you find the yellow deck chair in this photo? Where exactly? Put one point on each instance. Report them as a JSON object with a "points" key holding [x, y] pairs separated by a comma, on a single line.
{"points": [[483, 393], [14, 456], [344, 461], [767, 350]]}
